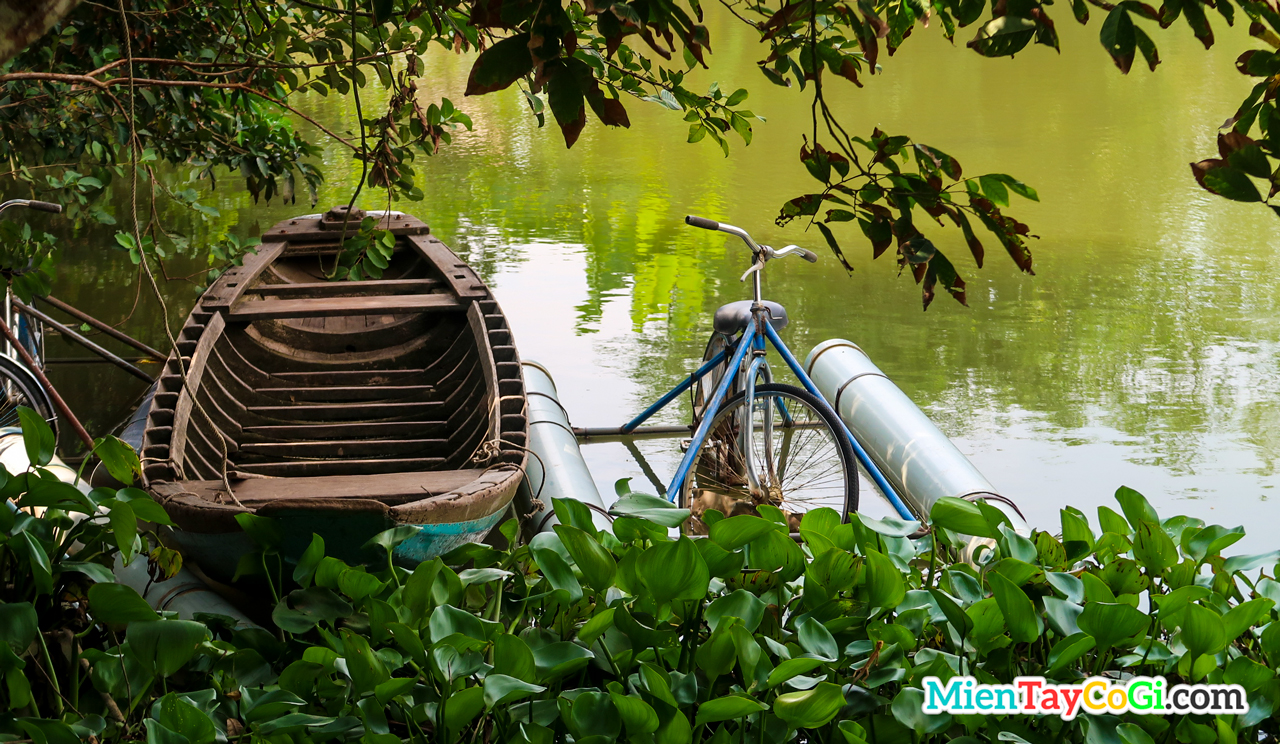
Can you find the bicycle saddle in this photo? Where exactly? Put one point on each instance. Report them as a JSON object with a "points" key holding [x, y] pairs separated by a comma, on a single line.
{"points": [[731, 318]]}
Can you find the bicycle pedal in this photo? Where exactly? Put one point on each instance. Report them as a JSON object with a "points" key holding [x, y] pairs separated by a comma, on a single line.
{"points": [[684, 444]]}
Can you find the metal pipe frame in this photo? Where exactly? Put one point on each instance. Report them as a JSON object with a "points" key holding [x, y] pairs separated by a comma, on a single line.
{"points": [[672, 394], [704, 426]]}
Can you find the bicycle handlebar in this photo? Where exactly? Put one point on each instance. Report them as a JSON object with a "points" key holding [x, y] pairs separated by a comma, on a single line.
{"points": [[756, 249], [36, 205]]}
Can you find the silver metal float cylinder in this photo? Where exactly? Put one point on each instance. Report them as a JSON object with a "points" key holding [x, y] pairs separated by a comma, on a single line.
{"points": [[556, 468], [184, 593], [919, 461]]}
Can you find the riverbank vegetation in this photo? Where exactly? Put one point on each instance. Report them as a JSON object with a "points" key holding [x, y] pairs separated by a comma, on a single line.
{"points": [[166, 101], [628, 633]]}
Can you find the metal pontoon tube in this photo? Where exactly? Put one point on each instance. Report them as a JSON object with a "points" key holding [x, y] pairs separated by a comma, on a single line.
{"points": [[557, 470], [921, 463]]}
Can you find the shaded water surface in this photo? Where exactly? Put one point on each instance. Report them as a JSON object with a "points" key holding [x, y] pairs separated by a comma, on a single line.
{"points": [[1144, 352]]}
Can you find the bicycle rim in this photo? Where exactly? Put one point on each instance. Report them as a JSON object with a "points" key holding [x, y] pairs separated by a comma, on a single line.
{"points": [[798, 452], [19, 388]]}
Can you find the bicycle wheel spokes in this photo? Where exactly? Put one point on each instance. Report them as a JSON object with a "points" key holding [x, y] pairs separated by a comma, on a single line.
{"points": [[799, 458]]}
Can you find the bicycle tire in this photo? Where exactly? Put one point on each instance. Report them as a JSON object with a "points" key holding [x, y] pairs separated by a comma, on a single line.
{"points": [[19, 387], [708, 485]]}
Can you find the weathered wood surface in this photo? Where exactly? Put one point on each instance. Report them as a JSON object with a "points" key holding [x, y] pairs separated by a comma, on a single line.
{"points": [[398, 399]]}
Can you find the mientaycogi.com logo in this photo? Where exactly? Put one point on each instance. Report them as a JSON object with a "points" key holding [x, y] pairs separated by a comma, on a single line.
{"points": [[1095, 695]]}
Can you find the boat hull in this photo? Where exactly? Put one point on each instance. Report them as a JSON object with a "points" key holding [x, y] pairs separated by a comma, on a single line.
{"points": [[338, 409]]}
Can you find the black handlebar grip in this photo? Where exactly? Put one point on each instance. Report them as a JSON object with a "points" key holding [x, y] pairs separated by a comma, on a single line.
{"points": [[45, 206], [702, 222]]}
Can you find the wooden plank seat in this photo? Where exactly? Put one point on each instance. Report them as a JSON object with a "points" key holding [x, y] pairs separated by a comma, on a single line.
{"points": [[345, 412], [322, 448], [368, 430], [337, 393], [380, 287], [295, 468], [249, 310]]}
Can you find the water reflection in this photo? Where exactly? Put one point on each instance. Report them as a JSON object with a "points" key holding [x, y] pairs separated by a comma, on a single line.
{"points": [[1144, 352]]}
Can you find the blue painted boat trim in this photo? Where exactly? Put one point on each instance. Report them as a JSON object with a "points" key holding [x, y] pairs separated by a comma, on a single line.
{"points": [[434, 540]]}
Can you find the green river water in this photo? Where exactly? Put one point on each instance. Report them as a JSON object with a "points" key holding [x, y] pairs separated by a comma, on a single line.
{"points": [[1143, 353]]}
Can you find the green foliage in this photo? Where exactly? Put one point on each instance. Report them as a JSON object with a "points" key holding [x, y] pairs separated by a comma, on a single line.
{"points": [[587, 634], [215, 88]]}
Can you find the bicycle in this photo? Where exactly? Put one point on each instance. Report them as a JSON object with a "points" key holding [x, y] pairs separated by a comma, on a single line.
{"points": [[20, 386], [795, 454]]}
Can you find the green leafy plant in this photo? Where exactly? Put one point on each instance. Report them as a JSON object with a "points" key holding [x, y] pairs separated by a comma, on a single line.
{"points": [[636, 633]]}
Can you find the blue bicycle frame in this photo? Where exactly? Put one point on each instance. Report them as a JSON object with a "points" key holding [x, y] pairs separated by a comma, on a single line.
{"points": [[754, 338]]}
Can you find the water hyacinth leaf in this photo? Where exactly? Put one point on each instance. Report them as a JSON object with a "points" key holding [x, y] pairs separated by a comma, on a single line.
{"points": [[118, 604], [1110, 624], [638, 716], [741, 604], [18, 625], [657, 682], [447, 620], [1062, 615], [124, 526], [358, 584], [389, 539], [1135, 506], [1210, 541], [817, 640], [835, 570], [1018, 611], [182, 717], [364, 666], [500, 688], [890, 526], [1250, 562], [652, 508], [811, 708], [960, 516], [462, 709], [266, 532], [596, 564], [308, 561], [957, 617], [555, 660], [513, 657], [303, 609], [791, 668], [1202, 630], [721, 563], [1069, 585], [1112, 522], [776, 553], [558, 573], [165, 646], [1077, 538], [574, 513], [118, 458], [37, 436], [908, 707], [734, 532], [1154, 548], [728, 708], [1244, 616], [1069, 649], [884, 584], [593, 714], [674, 570]]}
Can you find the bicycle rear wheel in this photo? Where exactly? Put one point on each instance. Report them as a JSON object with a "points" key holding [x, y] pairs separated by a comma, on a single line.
{"points": [[18, 387], [799, 453]]}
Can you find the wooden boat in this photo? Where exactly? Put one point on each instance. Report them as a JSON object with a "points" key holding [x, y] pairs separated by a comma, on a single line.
{"points": [[339, 408]]}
